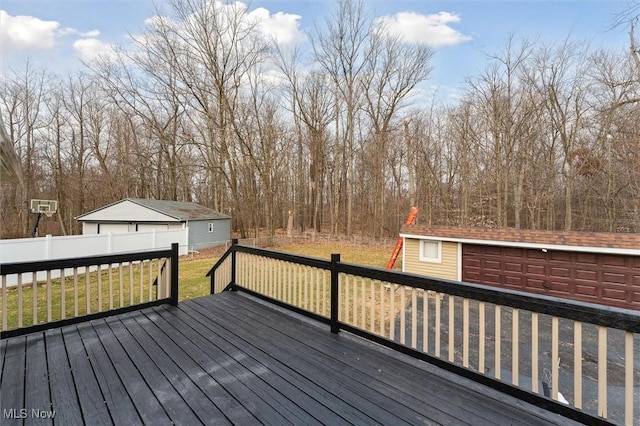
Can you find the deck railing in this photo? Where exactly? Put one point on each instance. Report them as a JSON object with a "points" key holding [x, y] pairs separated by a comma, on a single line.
{"points": [[40, 295], [574, 358]]}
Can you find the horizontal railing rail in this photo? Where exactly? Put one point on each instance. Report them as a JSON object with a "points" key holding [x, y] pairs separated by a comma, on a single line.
{"points": [[577, 359], [52, 293], [623, 319], [313, 262]]}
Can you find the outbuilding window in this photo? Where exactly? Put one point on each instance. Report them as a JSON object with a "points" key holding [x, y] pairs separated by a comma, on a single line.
{"points": [[431, 251], [210, 226]]}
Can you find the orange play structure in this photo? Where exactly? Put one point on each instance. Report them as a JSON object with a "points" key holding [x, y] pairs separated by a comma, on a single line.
{"points": [[396, 250]]}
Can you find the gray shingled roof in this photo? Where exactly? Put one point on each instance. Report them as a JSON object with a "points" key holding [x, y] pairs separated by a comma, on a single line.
{"points": [[181, 210], [626, 241]]}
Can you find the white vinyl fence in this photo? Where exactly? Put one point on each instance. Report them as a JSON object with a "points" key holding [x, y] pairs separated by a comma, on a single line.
{"points": [[48, 248]]}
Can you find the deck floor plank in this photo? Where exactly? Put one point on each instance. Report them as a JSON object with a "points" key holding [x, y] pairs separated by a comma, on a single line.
{"points": [[230, 359], [199, 401], [271, 385], [220, 371], [38, 397], [121, 407], [169, 399], [143, 398], [235, 412], [13, 380], [321, 404], [377, 406], [261, 389], [358, 386], [92, 402], [3, 350], [440, 393], [64, 394]]}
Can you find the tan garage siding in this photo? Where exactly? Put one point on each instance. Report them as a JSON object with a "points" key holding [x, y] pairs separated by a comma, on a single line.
{"points": [[447, 268]]}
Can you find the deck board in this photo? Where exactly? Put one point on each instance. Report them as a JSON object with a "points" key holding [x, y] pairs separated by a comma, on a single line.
{"points": [[256, 389], [334, 377], [64, 395], [91, 400], [229, 359], [373, 378], [395, 378], [234, 412], [115, 394], [221, 371], [375, 371], [324, 406], [13, 376], [199, 402], [175, 407], [36, 365], [140, 392]]}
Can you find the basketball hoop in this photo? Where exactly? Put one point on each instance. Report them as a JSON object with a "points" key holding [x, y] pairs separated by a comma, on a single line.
{"points": [[40, 207], [46, 207]]}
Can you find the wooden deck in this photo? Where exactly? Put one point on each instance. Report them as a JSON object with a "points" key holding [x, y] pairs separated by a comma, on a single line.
{"points": [[228, 359]]}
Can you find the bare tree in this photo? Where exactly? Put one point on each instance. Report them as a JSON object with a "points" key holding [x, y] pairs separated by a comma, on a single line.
{"points": [[314, 108], [393, 69], [23, 95], [557, 76], [342, 50], [506, 111], [629, 18], [606, 162], [57, 155], [215, 46]]}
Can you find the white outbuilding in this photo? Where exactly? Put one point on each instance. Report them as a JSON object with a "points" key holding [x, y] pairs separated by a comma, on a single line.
{"points": [[207, 227]]}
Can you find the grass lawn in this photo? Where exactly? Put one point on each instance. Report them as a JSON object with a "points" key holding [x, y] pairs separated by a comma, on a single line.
{"points": [[193, 282]]}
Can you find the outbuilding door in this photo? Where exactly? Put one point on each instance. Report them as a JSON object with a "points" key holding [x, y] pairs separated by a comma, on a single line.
{"points": [[612, 280], [114, 228], [141, 227]]}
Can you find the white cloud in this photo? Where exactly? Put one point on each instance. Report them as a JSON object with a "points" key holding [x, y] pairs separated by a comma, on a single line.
{"points": [[432, 29], [157, 21], [283, 27], [90, 34], [20, 33], [26, 32], [89, 49]]}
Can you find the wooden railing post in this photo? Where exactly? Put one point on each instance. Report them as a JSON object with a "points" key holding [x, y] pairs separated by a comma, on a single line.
{"points": [[335, 259], [174, 274], [234, 243], [212, 280]]}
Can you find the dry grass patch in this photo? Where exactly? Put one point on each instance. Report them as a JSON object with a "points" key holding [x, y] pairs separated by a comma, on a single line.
{"points": [[350, 253], [193, 268]]}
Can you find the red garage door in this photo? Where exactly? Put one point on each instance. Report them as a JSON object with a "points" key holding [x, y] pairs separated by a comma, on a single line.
{"points": [[612, 280]]}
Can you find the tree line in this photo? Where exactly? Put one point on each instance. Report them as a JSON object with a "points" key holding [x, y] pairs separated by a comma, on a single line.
{"points": [[204, 108]]}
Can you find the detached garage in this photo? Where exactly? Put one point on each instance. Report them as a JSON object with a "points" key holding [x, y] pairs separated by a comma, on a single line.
{"points": [[593, 267], [206, 227]]}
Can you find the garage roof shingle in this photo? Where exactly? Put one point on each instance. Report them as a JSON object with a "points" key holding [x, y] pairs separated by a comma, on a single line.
{"points": [[559, 238], [179, 210]]}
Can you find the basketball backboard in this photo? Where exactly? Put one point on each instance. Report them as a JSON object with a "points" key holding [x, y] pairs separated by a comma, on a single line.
{"points": [[47, 207]]}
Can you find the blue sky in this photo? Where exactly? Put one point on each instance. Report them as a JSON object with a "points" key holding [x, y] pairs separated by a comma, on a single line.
{"points": [[53, 34]]}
